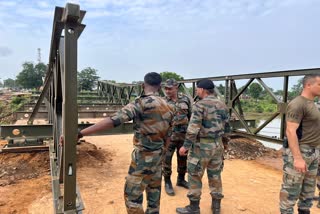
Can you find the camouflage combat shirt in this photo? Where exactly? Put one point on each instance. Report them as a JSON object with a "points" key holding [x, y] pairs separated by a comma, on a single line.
{"points": [[182, 108], [209, 119], [152, 118]]}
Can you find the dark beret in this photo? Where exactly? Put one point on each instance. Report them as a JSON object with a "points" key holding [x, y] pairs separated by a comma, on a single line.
{"points": [[153, 79], [205, 84]]}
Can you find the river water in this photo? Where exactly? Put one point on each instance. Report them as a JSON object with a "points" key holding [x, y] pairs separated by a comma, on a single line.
{"points": [[271, 130]]}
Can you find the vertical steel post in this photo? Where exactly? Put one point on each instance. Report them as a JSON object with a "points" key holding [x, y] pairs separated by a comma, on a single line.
{"points": [[284, 100], [193, 89], [70, 110]]}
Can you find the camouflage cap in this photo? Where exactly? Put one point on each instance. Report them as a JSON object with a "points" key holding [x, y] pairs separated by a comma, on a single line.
{"points": [[170, 83]]}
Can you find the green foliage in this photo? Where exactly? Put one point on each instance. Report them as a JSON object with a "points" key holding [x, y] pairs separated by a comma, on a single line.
{"points": [[31, 75], [268, 98], [255, 90], [295, 90], [17, 100], [1, 84], [259, 109], [170, 75], [221, 89], [9, 83], [261, 106], [41, 69], [87, 79]]}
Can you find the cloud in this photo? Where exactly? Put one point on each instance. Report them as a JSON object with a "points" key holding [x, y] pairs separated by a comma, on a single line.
{"points": [[7, 4], [43, 4], [5, 51], [35, 12]]}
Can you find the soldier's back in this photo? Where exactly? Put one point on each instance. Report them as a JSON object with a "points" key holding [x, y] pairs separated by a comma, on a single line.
{"points": [[152, 122]]}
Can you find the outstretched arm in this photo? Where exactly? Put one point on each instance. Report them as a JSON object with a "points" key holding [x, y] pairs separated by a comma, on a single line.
{"points": [[105, 124]]}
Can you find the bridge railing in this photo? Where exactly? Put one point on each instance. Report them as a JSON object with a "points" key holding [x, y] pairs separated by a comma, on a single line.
{"points": [[232, 99], [60, 95], [123, 93]]}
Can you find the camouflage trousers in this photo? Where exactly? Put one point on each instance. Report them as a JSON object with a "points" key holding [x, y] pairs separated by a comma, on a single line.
{"points": [[144, 174], [202, 156], [318, 177], [297, 185], [167, 162]]}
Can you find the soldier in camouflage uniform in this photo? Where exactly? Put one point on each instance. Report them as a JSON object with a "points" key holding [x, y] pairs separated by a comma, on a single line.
{"points": [[301, 150], [209, 122], [318, 183], [152, 118], [182, 105]]}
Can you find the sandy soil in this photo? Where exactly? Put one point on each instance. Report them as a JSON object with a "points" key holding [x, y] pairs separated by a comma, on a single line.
{"points": [[249, 186]]}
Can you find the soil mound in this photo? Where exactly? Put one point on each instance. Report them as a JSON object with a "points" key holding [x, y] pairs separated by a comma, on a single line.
{"points": [[18, 166], [89, 155], [248, 149]]}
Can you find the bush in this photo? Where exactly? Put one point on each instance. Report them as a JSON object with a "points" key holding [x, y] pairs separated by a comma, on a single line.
{"points": [[17, 100], [259, 109]]}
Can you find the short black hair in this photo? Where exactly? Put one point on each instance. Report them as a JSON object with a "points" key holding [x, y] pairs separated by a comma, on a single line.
{"points": [[309, 77], [153, 79], [210, 91]]}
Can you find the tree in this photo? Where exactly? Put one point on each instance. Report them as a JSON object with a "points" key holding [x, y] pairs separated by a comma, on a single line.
{"points": [[41, 69], [1, 84], [255, 90], [87, 79], [170, 75], [221, 89], [9, 83], [295, 90], [31, 76]]}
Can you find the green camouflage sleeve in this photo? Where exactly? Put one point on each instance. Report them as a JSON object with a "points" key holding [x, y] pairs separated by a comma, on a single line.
{"points": [[189, 108], [194, 126], [226, 120], [125, 114]]}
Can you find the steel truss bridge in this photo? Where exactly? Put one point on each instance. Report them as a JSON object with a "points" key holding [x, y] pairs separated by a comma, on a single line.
{"points": [[58, 100]]}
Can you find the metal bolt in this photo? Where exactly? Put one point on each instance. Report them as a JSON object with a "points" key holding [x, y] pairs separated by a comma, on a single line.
{"points": [[71, 30]]}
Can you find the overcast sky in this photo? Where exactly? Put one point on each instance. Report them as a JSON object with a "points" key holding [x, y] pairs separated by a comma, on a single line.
{"points": [[124, 39]]}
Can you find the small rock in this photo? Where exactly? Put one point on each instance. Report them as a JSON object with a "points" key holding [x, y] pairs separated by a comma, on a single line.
{"points": [[111, 202]]}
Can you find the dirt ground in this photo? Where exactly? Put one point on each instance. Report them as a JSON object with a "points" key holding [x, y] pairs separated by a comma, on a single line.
{"points": [[250, 186]]}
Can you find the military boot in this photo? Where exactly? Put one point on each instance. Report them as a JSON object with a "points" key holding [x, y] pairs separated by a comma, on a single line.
{"points": [[215, 206], [303, 211], [168, 186], [182, 182], [193, 208]]}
